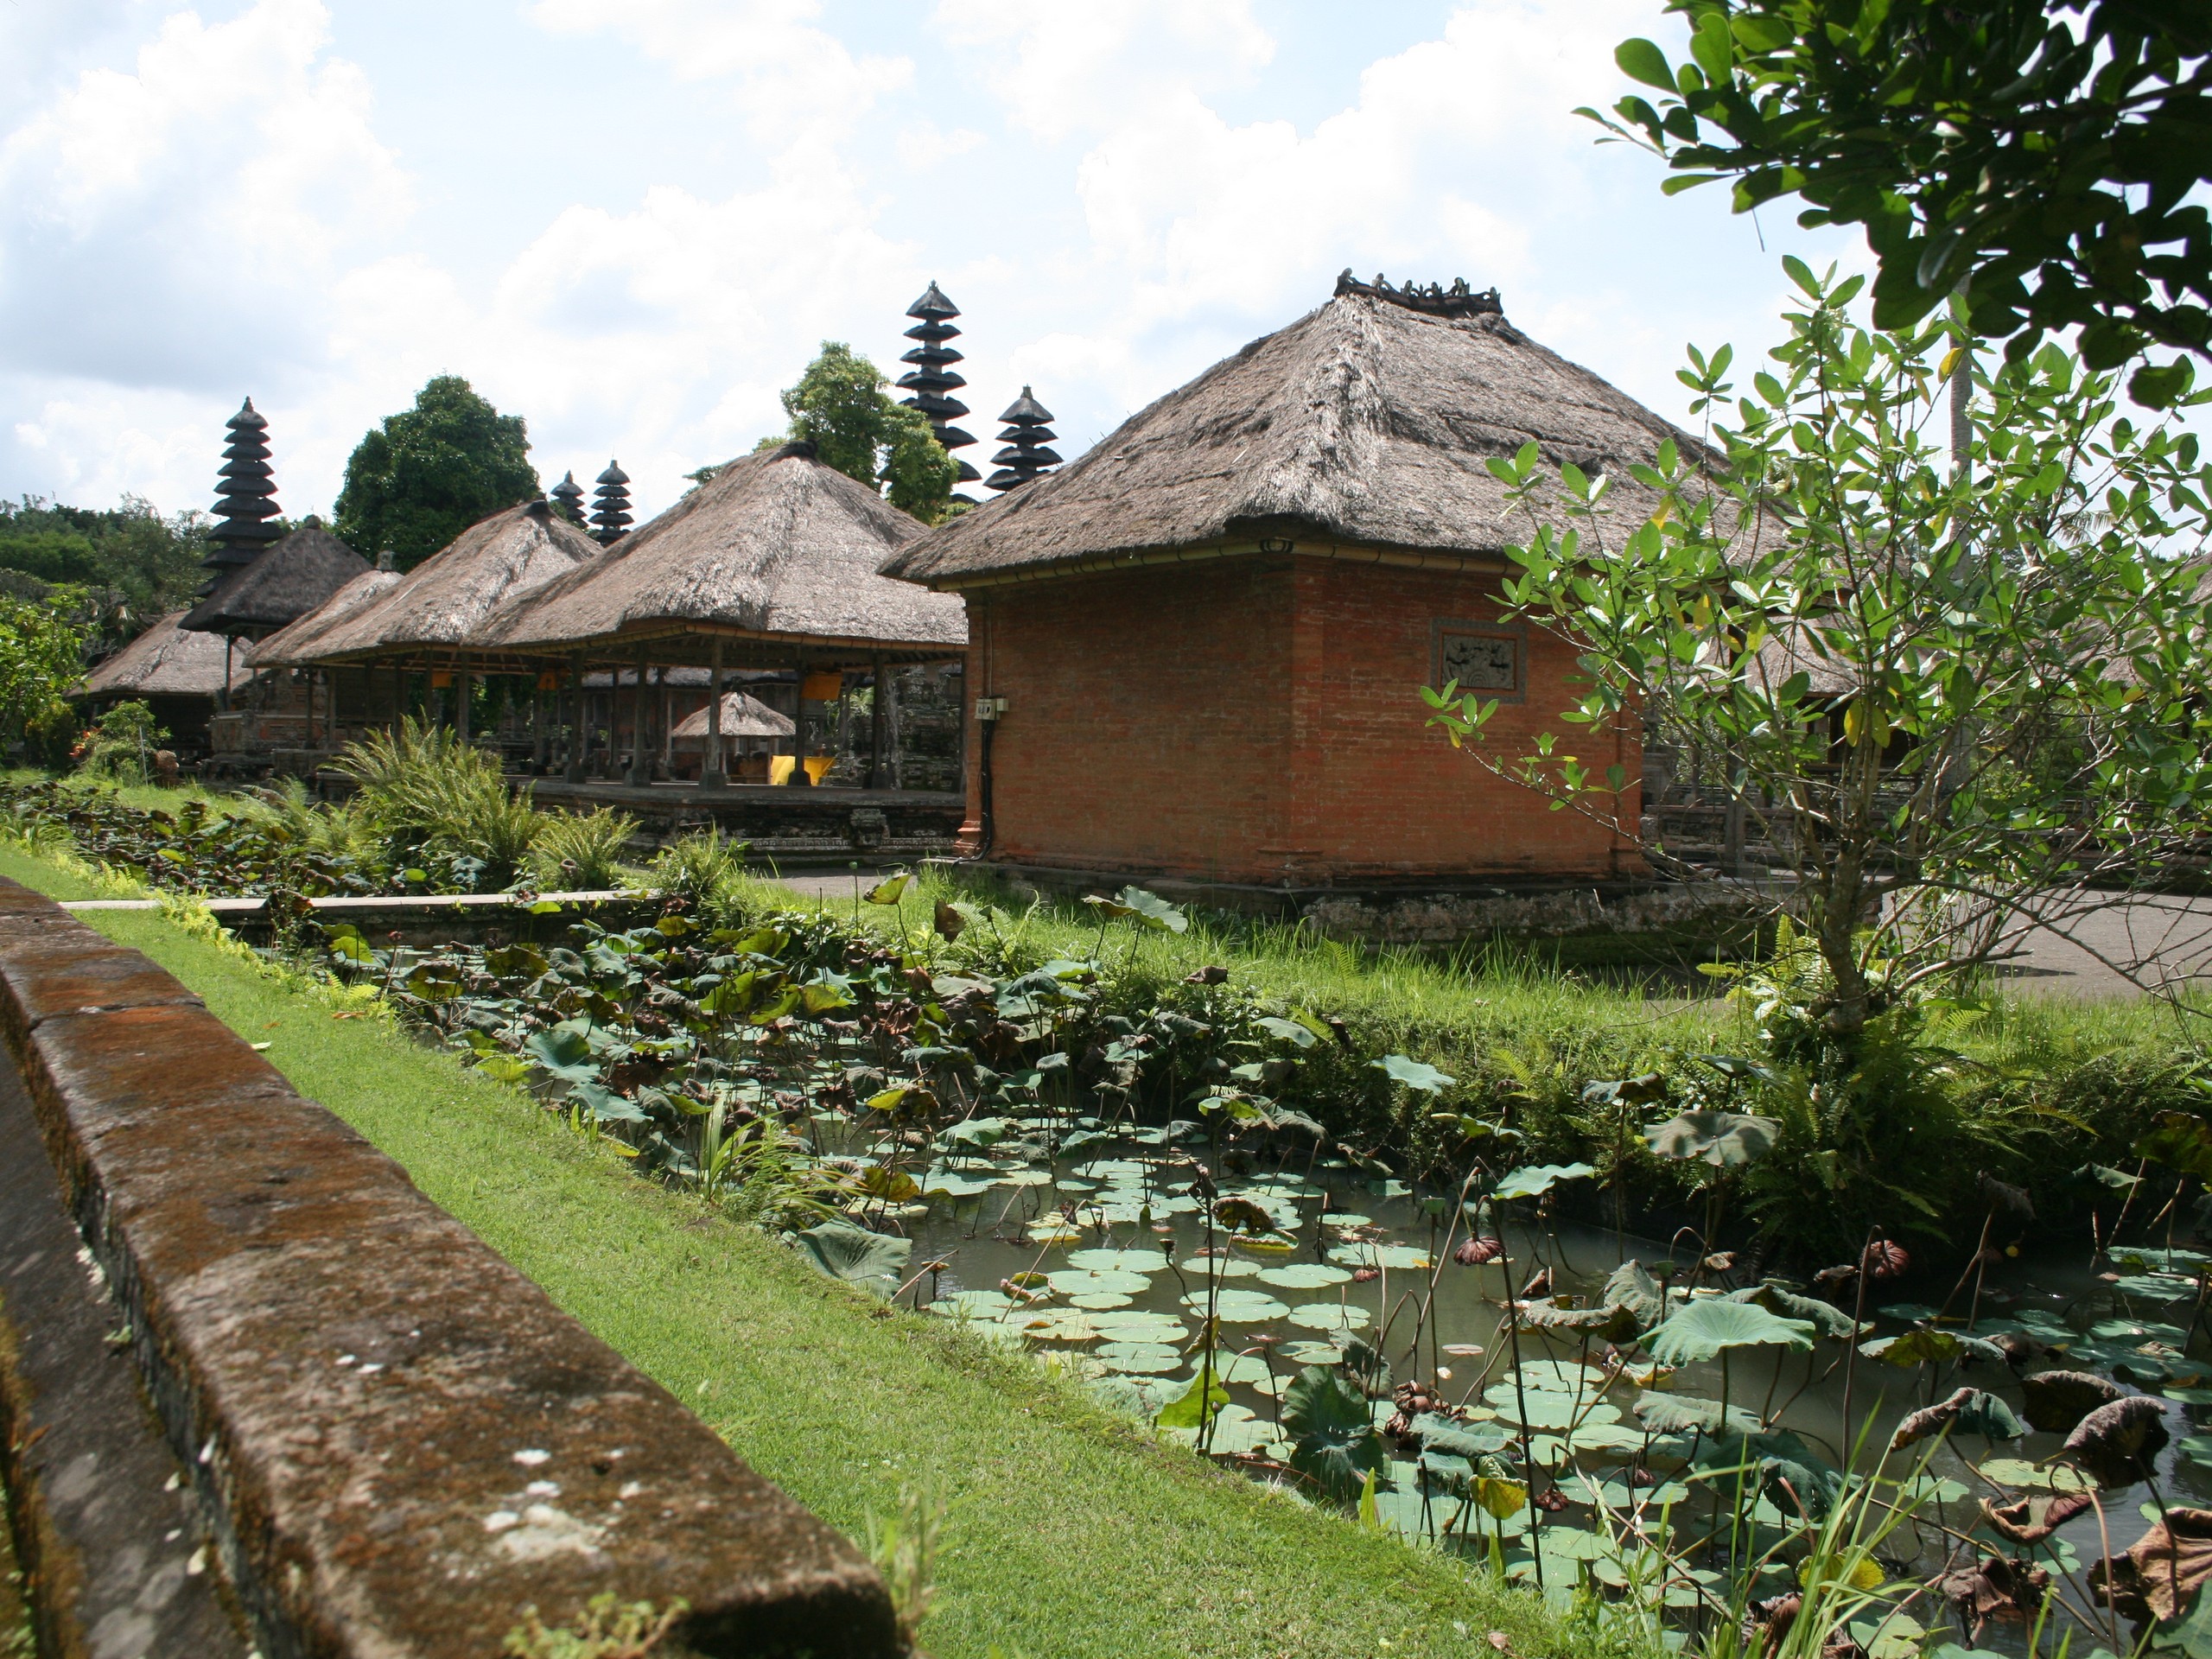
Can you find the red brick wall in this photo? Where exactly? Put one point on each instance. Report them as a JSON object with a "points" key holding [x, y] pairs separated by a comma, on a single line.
{"points": [[1260, 720], [1145, 728]]}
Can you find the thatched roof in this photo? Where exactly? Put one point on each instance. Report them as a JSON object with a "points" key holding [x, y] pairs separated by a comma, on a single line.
{"points": [[166, 662], [742, 716], [295, 644], [284, 582], [1364, 428], [776, 556], [438, 610]]}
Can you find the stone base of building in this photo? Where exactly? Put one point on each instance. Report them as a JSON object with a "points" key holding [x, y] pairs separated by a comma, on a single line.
{"points": [[1587, 922]]}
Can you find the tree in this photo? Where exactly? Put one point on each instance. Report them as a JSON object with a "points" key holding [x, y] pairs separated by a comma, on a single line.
{"points": [[2042, 168], [841, 406], [137, 563], [42, 657], [428, 473], [1957, 697]]}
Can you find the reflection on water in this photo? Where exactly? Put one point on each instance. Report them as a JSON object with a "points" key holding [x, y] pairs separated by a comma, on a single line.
{"points": [[1110, 1267]]}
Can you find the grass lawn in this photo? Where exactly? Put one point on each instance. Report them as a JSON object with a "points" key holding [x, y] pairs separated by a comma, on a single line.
{"points": [[1071, 1533]]}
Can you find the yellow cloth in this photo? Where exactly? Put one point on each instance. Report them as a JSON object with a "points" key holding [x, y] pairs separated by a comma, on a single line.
{"points": [[817, 768]]}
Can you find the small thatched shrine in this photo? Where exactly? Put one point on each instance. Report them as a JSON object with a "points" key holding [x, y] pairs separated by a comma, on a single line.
{"points": [[176, 673], [289, 578], [772, 564], [1202, 642]]}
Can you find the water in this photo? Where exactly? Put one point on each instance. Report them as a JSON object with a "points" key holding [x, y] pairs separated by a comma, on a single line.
{"points": [[1103, 1269]]}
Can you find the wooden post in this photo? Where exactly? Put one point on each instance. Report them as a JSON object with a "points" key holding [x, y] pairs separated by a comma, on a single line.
{"points": [[575, 768], [640, 767], [460, 704], [713, 773], [667, 724], [875, 727], [224, 697]]}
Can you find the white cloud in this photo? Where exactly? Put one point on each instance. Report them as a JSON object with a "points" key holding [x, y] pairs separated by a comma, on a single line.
{"points": [[1061, 69], [802, 83]]}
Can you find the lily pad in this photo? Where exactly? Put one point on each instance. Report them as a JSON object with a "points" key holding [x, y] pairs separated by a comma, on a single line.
{"points": [[1329, 1316], [1238, 1307], [2019, 1473], [1223, 1266], [1396, 1257], [1084, 1281], [1140, 1358], [1305, 1275], [1105, 1261]]}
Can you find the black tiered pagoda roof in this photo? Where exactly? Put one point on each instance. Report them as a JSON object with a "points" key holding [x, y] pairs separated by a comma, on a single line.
{"points": [[246, 497], [932, 378], [610, 511], [1028, 429]]}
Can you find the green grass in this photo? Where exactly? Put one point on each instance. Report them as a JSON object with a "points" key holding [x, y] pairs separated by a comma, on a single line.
{"points": [[1071, 1533]]}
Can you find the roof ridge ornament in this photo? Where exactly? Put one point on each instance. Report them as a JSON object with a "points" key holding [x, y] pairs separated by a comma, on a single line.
{"points": [[569, 498], [1457, 301]]}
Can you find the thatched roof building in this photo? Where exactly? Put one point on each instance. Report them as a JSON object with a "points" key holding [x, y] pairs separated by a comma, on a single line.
{"points": [[295, 644], [1360, 432], [775, 558], [742, 716], [438, 611], [165, 661], [283, 584], [1200, 644]]}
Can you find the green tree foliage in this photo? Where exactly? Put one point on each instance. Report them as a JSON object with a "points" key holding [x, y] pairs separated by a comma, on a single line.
{"points": [[42, 657], [841, 407], [428, 473], [1957, 697], [136, 562], [2040, 158]]}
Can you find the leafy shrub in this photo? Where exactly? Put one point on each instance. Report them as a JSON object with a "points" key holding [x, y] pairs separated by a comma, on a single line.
{"points": [[121, 743], [703, 868], [581, 850], [437, 796]]}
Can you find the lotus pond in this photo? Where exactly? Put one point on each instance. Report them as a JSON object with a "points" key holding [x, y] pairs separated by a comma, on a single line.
{"points": [[1656, 1433]]}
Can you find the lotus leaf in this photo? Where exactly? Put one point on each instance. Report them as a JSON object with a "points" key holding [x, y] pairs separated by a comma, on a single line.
{"points": [[1915, 1348], [1103, 1260], [1238, 1307], [1704, 1329], [1396, 1257], [1345, 1218], [1221, 1267], [564, 1052], [856, 1255], [1614, 1324], [2161, 1571], [1534, 1180], [1047, 1230], [1721, 1139], [1143, 1358], [1677, 1413], [1249, 1370], [1055, 1324], [1238, 1431], [1333, 1434], [2118, 1443], [1191, 1408], [1631, 1286], [2018, 1473], [2056, 1400], [1414, 1074], [1552, 1411], [1971, 1411], [1142, 1397], [1305, 1276], [1083, 1282], [1312, 1353], [1825, 1317], [1330, 1316], [1099, 1301], [1439, 1434]]}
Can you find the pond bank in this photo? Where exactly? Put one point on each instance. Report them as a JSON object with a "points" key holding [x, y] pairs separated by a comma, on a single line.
{"points": [[1070, 1534]]}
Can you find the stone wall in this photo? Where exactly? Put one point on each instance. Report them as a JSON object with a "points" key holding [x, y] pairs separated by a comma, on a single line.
{"points": [[314, 1414]]}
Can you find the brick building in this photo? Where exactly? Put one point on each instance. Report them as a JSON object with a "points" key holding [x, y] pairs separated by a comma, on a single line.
{"points": [[1204, 640]]}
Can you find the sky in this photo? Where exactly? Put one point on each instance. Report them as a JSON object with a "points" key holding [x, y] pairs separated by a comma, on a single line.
{"points": [[634, 221]]}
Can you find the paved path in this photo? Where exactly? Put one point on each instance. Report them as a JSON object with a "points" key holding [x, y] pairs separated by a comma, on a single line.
{"points": [[2170, 937]]}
